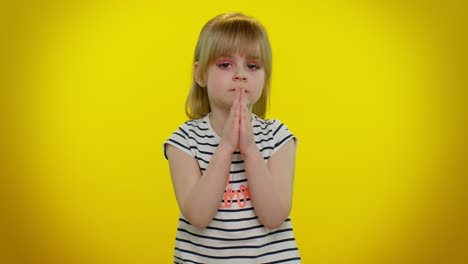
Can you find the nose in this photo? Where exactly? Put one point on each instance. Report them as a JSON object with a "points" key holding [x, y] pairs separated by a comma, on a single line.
{"points": [[239, 75]]}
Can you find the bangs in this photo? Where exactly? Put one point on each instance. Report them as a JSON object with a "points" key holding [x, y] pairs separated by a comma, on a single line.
{"points": [[242, 37]]}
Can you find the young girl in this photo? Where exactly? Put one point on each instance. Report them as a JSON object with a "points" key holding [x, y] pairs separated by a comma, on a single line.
{"points": [[232, 171]]}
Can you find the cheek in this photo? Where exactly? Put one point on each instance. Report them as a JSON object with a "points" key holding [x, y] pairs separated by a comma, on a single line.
{"points": [[260, 82], [216, 81], [261, 78], [255, 94]]}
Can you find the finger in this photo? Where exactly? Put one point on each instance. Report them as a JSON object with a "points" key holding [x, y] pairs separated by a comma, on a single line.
{"points": [[236, 97], [236, 105], [245, 112], [242, 105], [245, 109], [239, 97], [241, 110], [243, 97]]}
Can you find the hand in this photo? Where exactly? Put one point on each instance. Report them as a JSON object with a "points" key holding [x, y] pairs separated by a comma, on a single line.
{"points": [[246, 136], [230, 134]]}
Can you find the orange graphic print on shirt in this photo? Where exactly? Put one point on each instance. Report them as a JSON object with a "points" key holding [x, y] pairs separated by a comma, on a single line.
{"points": [[240, 195]]}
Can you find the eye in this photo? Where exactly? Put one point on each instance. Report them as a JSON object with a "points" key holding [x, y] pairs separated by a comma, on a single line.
{"points": [[224, 65], [253, 66]]}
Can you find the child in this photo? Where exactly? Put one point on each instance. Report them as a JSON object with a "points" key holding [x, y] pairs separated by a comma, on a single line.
{"points": [[232, 171]]}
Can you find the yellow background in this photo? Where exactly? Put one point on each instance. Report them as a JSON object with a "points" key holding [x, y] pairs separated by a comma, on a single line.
{"points": [[374, 90]]}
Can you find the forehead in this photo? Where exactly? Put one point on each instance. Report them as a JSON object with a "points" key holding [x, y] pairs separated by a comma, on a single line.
{"points": [[248, 53], [229, 46], [237, 55]]}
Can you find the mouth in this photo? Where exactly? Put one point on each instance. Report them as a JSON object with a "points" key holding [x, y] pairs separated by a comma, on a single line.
{"points": [[234, 89]]}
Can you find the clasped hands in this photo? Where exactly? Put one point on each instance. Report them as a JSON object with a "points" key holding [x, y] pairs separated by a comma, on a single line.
{"points": [[238, 132]]}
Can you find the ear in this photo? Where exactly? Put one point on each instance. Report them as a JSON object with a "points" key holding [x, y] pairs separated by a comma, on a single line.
{"points": [[197, 76]]}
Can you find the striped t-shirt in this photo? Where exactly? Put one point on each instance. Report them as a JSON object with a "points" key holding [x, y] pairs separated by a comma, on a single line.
{"points": [[235, 234]]}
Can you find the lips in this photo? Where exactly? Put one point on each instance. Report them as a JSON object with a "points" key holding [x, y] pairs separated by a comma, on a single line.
{"points": [[234, 89]]}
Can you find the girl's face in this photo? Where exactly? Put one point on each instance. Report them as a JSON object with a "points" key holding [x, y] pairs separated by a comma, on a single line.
{"points": [[229, 72]]}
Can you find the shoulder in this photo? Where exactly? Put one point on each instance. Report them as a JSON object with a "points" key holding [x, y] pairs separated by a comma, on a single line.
{"points": [[199, 124], [270, 135], [198, 129], [186, 135], [193, 126], [270, 126]]}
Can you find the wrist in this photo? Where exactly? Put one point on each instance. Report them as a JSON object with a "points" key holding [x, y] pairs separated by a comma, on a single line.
{"points": [[251, 152], [225, 148]]}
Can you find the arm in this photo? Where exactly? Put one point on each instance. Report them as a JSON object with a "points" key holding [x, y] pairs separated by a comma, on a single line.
{"points": [[271, 184], [199, 197]]}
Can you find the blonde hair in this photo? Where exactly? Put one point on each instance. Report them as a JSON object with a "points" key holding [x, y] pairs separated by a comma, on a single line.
{"points": [[226, 34]]}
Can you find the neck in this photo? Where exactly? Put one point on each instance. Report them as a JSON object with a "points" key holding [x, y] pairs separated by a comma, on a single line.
{"points": [[217, 120]]}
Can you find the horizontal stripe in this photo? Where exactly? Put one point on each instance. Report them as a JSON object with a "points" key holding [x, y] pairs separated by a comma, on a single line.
{"points": [[260, 126], [283, 260], [201, 151], [180, 135], [264, 140], [238, 181], [235, 229], [283, 140], [235, 210], [276, 131], [265, 148], [236, 247], [201, 136], [225, 229], [179, 144], [183, 131], [234, 239], [203, 143], [238, 257], [235, 220], [261, 133], [200, 159], [274, 262], [268, 121], [198, 121], [187, 260], [196, 126]]}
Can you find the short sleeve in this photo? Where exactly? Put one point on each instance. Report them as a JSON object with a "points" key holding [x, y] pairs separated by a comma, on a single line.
{"points": [[281, 135], [180, 140]]}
